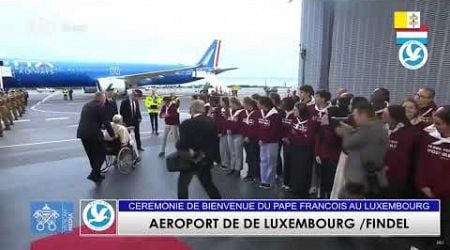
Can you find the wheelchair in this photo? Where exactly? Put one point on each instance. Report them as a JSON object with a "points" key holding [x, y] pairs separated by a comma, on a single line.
{"points": [[124, 158]]}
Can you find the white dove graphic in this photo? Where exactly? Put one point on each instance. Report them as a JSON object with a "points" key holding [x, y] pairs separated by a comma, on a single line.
{"points": [[98, 216], [413, 55]]}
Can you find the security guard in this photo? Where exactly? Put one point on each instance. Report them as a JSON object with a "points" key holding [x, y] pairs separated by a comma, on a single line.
{"points": [[153, 104], [65, 93]]}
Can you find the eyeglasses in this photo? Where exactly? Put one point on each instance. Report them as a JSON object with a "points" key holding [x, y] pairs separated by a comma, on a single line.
{"points": [[422, 96]]}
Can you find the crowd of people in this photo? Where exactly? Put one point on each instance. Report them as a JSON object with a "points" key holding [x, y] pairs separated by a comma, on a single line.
{"points": [[348, 147], [12, 106], [311, 145]]}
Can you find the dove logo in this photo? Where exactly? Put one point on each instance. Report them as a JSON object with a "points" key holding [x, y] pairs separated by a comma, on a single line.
{"points": [[413, 55], [98, 215]]}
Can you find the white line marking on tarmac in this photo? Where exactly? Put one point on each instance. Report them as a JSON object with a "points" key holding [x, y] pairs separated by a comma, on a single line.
{"points": [[56, 118], [73, 126], [57, 141], [24, 120], [34, 108], [36, 143]]}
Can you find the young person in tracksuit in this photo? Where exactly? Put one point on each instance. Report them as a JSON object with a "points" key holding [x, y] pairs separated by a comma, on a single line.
{"points": [[169, 112], [286, 121], [215, 112], [250, 134], [276, 100], [412, 113], [269, 135], [433, 168], [223, 140], [327, 150], [301, 146], [307, 97], [399, 158], [233, 127], [320, 115]]}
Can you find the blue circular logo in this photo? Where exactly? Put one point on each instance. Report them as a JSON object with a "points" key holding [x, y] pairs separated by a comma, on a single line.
{"points": [[413, 55], [98, 215]]}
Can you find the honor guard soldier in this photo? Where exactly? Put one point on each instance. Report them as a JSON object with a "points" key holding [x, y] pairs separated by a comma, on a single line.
{"points": [[10, 106], [14, 105], [5, 114], [153, 103], [2, 123]]}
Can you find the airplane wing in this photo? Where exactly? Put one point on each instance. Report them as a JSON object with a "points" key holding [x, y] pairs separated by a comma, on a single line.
{"points": [[152, 74], [220, 70]]}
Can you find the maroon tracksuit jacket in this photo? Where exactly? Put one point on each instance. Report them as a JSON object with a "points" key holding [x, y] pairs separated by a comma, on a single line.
{"points": [[433, 169], [303, 132], [250, 124], [216, 114], [234, 121], [328, 145], [269, 126], [286, 123], [171, 115], [400, 155]]}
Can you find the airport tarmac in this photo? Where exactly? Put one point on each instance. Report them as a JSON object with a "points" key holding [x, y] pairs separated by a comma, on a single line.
{"points": [[41, 159]]}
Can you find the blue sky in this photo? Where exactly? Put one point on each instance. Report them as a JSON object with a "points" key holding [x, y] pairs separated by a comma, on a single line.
{"points": [[259, 36]]}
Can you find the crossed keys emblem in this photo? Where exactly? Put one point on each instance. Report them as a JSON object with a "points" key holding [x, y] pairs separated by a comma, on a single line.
{"points": [[414, 20]]}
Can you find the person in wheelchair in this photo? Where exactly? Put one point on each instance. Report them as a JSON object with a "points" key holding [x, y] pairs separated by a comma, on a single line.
{"points": [[124, 136]]}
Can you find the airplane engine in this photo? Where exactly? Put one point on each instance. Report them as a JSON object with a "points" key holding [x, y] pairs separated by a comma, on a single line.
{"points": [[115, 84]]}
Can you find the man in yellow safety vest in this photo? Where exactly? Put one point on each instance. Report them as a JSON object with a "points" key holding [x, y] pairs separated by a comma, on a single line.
{"points": [[153, 104]]}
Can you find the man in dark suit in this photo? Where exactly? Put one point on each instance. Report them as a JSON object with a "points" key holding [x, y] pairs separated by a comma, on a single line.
{"points": [[199, 143], [110, 106], [89, 131], [129, 109]]}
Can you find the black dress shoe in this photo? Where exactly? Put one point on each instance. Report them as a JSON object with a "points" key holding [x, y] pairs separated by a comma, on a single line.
{"points": [[140, 149], [96, 179]]}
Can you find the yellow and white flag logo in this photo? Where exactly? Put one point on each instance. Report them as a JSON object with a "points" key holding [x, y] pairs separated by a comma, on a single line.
{"points": [[406, 19]]}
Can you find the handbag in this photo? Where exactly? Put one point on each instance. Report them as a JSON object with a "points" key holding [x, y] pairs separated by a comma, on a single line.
{"points": [[175, 163]]}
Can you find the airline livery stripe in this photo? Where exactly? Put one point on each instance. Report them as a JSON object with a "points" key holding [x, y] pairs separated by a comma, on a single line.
{"points": [[217, 54]]}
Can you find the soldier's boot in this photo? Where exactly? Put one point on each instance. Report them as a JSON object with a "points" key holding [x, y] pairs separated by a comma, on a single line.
{"points": [[16, 114], [6, 122], [2, 125], [11, 119]]}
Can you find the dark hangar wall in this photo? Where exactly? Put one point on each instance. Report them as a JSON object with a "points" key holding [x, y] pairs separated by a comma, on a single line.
{"points": [[351, 44]]}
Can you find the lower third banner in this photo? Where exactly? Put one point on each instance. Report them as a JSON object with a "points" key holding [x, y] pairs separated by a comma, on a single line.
{"points": [[279, 217]]}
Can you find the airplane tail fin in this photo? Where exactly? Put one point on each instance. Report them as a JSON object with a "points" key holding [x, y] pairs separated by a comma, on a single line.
{"points": [[210, 60]]}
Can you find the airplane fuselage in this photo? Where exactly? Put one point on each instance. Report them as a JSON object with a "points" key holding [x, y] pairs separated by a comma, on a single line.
{"points": [[33, 73]]}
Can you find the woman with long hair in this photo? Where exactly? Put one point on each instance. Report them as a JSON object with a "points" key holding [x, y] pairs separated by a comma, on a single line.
{"points": [[412, 113], [301, 147], [288, 107], [399, 158], [223, 146], [433, 168], [234, 135], [269, 135], [249, 132]]}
